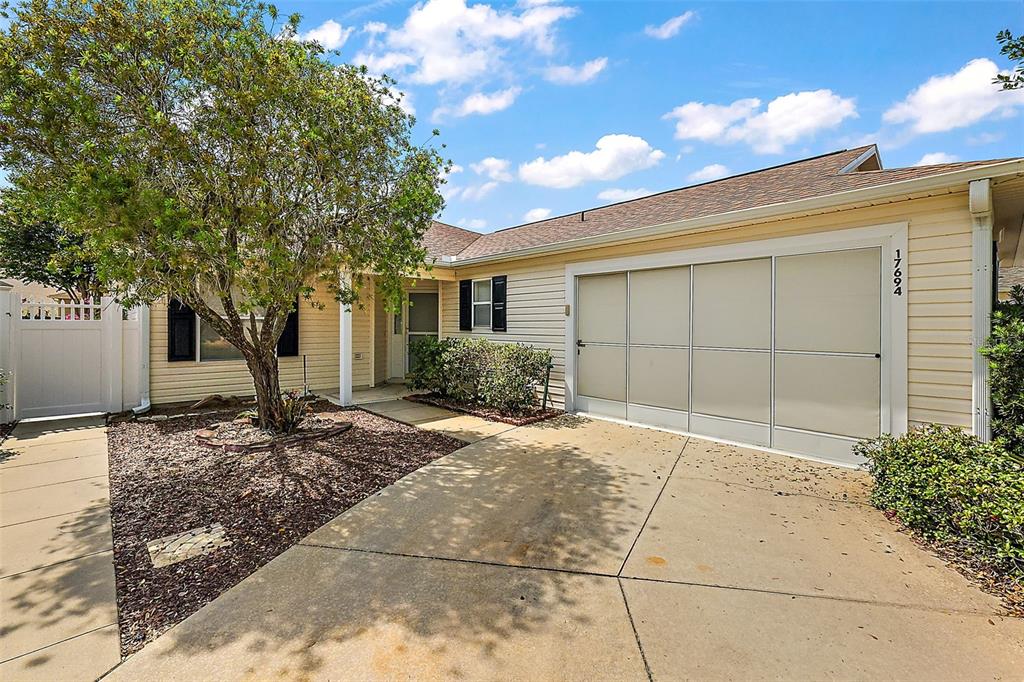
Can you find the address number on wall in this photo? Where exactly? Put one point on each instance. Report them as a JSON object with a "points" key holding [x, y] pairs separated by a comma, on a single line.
{"points": [[897, 273]]}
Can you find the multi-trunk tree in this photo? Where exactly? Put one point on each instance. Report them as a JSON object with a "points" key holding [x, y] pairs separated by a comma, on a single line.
{"points": [[206, 154]]}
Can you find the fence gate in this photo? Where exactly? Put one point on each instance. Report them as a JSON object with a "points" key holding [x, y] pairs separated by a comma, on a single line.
{"points": [[64, 358]]}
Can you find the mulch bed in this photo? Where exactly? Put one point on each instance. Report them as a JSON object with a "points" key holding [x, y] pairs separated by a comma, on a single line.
{"points": [[164, 482], [1009, 588], [531, 417]]}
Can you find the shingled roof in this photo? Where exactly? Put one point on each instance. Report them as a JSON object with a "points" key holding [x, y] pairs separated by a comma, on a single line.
{"points": [[443, 239], [808, 178]]}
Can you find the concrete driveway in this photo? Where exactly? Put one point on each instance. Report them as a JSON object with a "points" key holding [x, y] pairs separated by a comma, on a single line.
{"points": [[586, 550]]}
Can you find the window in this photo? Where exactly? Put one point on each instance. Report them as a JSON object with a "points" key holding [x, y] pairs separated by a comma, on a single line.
{"points": [[212, 347], [481, 303]]}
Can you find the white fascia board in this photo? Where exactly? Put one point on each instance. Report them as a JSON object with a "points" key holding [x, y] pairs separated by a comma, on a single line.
{"points": [[895, 191]]}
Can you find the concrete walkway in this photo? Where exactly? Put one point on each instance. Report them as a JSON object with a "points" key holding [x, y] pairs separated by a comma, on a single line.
{"points": [[588, 550], [59, 614]]}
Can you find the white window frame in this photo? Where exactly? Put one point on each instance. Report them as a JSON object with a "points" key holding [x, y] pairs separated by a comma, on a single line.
{"points": [[199, 331], [490, 305]]}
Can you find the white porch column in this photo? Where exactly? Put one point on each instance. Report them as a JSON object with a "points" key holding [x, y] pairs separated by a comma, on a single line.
{"points": [[345, 350], [8, 309], [980, 201], [143, 360]]}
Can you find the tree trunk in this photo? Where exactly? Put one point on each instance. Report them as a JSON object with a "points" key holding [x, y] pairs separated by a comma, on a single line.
{"points": [[269, 405]]}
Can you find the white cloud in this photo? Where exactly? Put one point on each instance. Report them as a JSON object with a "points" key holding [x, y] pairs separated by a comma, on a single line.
{"points": [[616, 194], [448, 41], [330, 34], [495, 169], [478, 192], [936, 157], [785, 120], [535, 214], [671, 27], [708, 173], [375, 27], [574, 75], [956, 100], [613, 157], [985, 138], [480, 103], [473, 223]]}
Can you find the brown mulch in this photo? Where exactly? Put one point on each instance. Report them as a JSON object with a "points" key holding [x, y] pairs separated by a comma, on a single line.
{"points": [[488, 413], [163, 482], [1008, 588]]}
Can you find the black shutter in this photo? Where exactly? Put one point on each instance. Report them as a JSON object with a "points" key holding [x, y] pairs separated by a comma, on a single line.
{"points": [[288, 344], [181, 332], [499, 287], [466, 305]]}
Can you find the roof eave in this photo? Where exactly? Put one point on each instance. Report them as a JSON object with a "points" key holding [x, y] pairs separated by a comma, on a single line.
{"points": [[760, 213]]}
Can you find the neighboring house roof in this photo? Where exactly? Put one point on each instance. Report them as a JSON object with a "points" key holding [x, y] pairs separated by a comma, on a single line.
{"points": [[442, 239], [1011, 276], [818, 176]]}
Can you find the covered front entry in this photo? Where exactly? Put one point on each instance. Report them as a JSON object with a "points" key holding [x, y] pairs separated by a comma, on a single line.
{"points": [[417, 320], [783, 351]]}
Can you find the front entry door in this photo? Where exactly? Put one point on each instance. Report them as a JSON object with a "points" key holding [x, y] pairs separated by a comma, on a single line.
{"points": [[396, 345], [422, 316]]}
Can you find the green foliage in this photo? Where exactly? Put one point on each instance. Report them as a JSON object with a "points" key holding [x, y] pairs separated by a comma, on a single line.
{"points": [[205, 153], [1013, 49], [35, 247], [950, 487], [503, 376], [1005, 353], [296, 405]]}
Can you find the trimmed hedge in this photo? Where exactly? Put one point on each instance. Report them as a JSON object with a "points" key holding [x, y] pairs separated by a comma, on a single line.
{"points": [[1005, 353], [950, 487], [475, 371]]}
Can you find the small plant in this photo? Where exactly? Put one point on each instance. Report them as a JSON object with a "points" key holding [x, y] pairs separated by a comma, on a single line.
{"points": [[1005, 353], [950, 487], [296, 405]]}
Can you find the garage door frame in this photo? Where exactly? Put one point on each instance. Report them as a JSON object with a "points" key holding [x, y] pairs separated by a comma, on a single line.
{"points": [[891, 238]]}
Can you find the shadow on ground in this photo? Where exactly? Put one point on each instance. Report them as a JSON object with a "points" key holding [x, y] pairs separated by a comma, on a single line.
{"points": [[365, 596]]}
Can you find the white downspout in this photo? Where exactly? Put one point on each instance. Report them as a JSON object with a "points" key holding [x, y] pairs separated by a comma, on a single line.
{"points": [[980, 202], [345, 350], [144, 404]]}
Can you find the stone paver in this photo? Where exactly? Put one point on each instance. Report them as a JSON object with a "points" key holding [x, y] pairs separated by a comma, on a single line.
{"points": [[57, 591], [191, 543], [580, 549]]}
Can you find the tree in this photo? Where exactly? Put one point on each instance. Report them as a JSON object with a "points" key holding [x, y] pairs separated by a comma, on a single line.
{"points": [[1013, 49], [208, 155], [35, 247]]}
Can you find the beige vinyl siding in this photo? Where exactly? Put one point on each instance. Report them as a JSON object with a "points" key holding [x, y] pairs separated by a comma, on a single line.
{"points": [[938, 291], [189, 380], [380, 340], [362, 343]]}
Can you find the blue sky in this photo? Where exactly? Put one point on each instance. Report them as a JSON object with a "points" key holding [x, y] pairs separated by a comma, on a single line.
{"points": [[548, 108]]}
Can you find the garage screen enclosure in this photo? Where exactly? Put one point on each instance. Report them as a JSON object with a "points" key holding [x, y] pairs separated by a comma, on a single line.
{"points": [[780, 351]]}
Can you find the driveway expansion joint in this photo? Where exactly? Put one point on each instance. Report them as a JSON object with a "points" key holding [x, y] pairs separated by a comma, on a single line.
{"points": [[636, 634], [650, 511]]}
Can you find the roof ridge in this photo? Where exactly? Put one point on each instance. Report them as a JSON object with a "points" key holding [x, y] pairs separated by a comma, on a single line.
{"points": [[679, 189]]}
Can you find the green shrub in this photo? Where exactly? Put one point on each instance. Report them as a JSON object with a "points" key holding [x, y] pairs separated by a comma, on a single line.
{"points": [[427, 355], [1005, 353], [503, 376], [948, 486]]}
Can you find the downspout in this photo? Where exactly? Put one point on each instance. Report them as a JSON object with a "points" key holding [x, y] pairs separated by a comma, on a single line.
{"points": [[980, 203], [144, 404]]}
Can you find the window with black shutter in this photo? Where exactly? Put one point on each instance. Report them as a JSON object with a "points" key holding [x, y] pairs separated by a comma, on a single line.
{"points": [[499, 289], [288, 344], [466, 305], [181, 332]]}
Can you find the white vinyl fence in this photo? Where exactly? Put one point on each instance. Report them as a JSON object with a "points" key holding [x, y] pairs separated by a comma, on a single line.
{"points": [[69, 358]]}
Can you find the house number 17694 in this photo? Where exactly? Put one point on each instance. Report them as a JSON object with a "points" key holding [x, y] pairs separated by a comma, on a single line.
{"points": [[897, 273]]}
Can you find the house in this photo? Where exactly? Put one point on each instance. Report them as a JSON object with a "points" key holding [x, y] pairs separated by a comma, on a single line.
{"points": [[797, 308]]}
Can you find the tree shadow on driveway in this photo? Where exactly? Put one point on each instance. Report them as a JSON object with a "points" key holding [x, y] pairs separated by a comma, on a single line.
{"points": [[471, 566]]}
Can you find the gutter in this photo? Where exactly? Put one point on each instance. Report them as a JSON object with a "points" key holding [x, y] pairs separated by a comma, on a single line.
{"points": [[902, 189]]}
